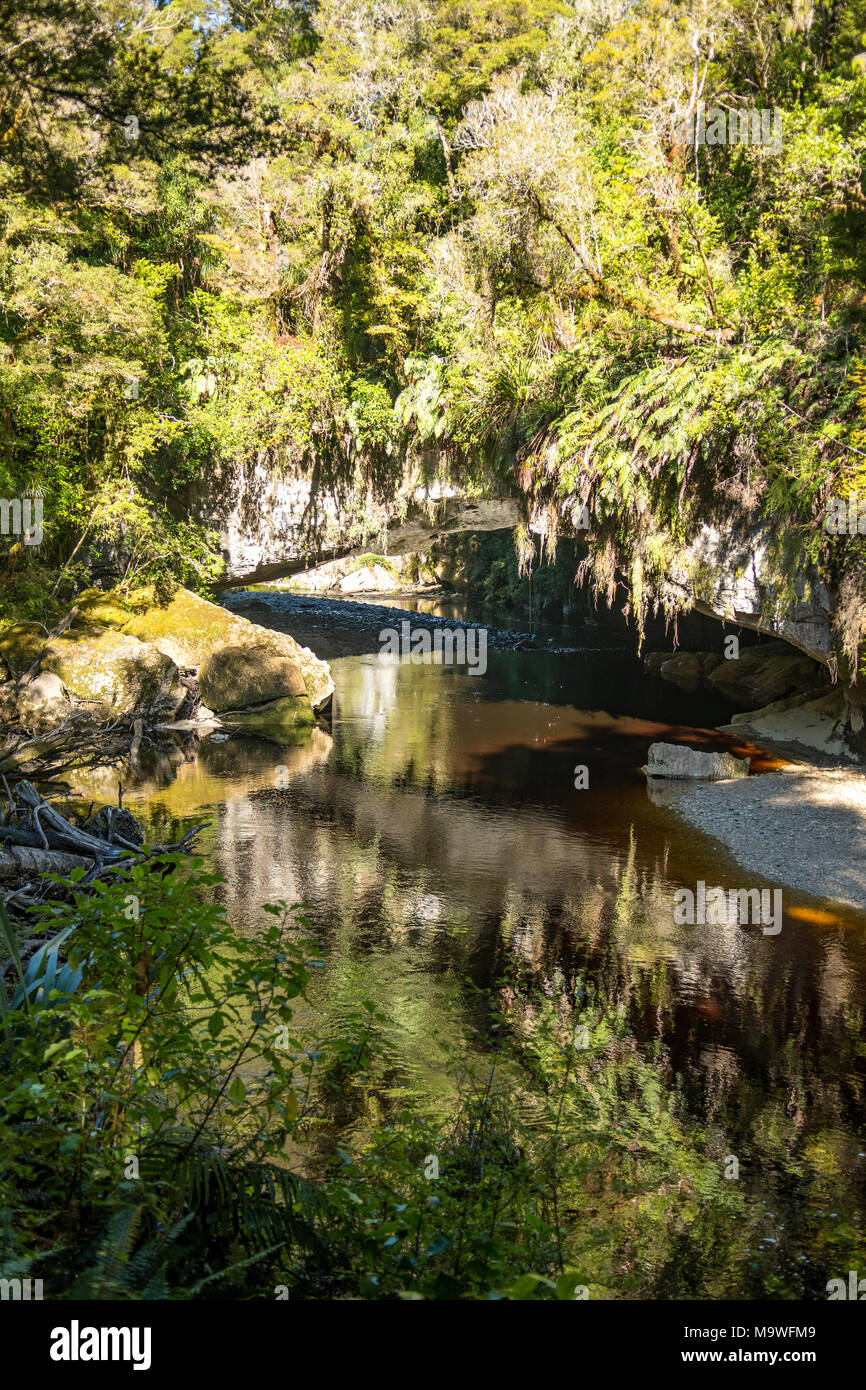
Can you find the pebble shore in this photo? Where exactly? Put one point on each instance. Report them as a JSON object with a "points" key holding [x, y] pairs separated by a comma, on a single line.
{"points": [[803, 827]]}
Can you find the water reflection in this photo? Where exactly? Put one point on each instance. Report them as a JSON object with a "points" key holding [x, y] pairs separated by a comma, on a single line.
{"points": [[437, 838]]}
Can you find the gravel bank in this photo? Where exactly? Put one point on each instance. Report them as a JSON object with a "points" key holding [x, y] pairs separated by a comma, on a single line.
{"points": [[803, 827]]}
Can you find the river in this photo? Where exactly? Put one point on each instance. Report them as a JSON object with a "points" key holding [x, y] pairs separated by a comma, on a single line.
{"points": [[438, 839]]}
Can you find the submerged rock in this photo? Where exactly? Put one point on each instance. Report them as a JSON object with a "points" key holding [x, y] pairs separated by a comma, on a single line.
{"points": [[688, 669], [273, 717], [673, 760]]}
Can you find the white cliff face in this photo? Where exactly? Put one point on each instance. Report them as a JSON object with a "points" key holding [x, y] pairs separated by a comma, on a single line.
{"points": [[729, 571], [264, 520], [729, 575]]}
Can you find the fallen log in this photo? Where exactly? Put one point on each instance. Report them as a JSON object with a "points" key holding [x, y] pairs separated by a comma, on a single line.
{"points": [[16, 860], [16, 835], [80, 840], [37, 840]]}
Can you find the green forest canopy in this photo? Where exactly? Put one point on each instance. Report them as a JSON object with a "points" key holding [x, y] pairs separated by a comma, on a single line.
{"points": [[370, 239]]}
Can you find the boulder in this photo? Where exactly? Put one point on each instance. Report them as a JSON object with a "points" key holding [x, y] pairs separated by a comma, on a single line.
{"points": [[766, 673], [190, 628], [113, 670], [675, 761], [248, 674], [653, 661], [832, 724], [688, 669], [42, 701]]}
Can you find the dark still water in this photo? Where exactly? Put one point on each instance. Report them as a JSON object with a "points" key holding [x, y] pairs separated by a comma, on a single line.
{"points": [[438, 839]]}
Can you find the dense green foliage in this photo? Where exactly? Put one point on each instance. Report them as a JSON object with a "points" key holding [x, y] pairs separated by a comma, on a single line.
{"points": [[170, 1128], [369, 240]]}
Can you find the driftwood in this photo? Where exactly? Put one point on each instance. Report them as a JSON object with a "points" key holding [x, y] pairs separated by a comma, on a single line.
{"points": [[37, 840], [43, 815], [76, 743], [19, 859], [15, 835]]}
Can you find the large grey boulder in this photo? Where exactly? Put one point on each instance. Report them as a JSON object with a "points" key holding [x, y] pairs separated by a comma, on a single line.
{"points": [[239, 676], [42, 700], [674, 761]]}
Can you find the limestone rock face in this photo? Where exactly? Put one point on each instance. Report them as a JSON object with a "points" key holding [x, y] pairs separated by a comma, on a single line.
{"points": [[113, 670], [383, 574], [674, 761], [369, 579], [261, 517], [729, 572], [832, 724], [235, 677]]}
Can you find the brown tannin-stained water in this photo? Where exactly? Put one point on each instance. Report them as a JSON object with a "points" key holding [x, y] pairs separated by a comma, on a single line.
{"points": [[440, 844]]}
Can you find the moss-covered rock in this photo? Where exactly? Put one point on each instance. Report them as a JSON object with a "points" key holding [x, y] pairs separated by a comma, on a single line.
{"points": [[189, 629], [20, 645], [113, 670], [235, 677], [277, 717], [125, 656], [104, 609]]}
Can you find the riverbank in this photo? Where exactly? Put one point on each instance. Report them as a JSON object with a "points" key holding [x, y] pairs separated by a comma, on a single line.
{"points": [[801, 826]]}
